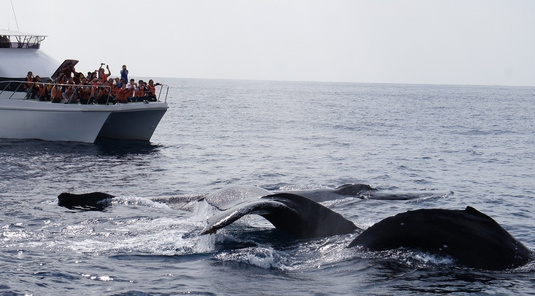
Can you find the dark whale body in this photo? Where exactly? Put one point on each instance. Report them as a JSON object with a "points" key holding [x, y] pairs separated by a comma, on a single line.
{"points": [[96, 201], [470, 237]]}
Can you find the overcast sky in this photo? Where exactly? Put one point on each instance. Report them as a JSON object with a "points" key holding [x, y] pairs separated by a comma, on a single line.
{"points": [[386, 41]]}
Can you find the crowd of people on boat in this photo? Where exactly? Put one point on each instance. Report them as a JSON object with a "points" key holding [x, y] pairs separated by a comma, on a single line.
{"points": [[97, 87]]}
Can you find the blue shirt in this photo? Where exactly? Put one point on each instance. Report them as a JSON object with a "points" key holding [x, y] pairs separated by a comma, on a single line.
{"points": [[124, 75]]}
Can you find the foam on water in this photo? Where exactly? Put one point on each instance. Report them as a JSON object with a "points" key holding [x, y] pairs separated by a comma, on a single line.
{"points": [[141, 201]]}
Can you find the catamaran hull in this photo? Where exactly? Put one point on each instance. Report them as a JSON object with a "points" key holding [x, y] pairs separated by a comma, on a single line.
{"points": [[26, 119], [51, 125], [132, 125]]}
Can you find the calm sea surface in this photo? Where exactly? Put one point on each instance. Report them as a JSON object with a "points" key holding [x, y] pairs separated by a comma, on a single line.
{"points": [[464, 145]]}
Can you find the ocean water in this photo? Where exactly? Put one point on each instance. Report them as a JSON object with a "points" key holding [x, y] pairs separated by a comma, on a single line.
{"points": [[456, 145]]}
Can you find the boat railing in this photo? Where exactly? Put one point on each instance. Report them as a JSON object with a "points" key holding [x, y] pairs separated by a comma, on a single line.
{"points": [[162, 88], [71, 93], [11, 87]]}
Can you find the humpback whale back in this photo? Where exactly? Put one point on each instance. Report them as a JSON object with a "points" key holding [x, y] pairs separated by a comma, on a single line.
{"points": [[344, 191], [470, 237], [353, 189], [295, 214]]}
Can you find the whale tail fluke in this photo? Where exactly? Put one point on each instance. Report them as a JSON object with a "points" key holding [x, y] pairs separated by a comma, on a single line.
{"points": [[294, 214]]}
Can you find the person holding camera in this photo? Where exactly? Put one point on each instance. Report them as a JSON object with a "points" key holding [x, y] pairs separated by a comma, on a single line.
{"points": [[124, 74], [103, 76]]}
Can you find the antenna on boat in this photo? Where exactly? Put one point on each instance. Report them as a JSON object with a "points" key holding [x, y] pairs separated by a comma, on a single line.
{"points": [[15, 15]]}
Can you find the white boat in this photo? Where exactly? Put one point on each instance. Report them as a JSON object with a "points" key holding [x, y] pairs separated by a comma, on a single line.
{"points": [[24, 118]]}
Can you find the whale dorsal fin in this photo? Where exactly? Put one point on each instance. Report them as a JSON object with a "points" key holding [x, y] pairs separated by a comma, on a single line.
{"points": [[472, 211]]}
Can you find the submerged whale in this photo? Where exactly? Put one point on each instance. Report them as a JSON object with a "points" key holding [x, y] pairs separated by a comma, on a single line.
{"points": [[362, 191], [86, 201], [226, 197], [222, 198], [470, 237]]}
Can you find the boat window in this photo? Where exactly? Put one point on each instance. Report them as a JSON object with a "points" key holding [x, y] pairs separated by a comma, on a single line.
{"points": [[11, 85], [21, 41]]}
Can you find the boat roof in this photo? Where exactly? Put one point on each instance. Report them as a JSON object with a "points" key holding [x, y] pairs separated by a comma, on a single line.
{"points": [[14, 39], [4, 32]]}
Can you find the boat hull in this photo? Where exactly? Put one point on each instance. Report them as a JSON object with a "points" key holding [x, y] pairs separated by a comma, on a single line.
{"points": [[133, 124], [27, 119], [52, 126]]}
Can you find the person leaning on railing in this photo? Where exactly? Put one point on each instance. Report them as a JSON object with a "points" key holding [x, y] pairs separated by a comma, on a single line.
{"points": [[122, 94], [94, 89], [139, 92], [68, 92], [29, 84], [34, 88], [131, 87], [113, 88], [152, 90], [103, 94], [56, 93], [45, 91], [42, 90], [84, 92]]}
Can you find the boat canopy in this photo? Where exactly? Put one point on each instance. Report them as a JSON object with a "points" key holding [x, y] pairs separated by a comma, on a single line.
{"points": [[14, 39]]}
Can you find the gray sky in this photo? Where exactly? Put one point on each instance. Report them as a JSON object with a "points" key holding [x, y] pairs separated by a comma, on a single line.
{"points": [[386, 41]]}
